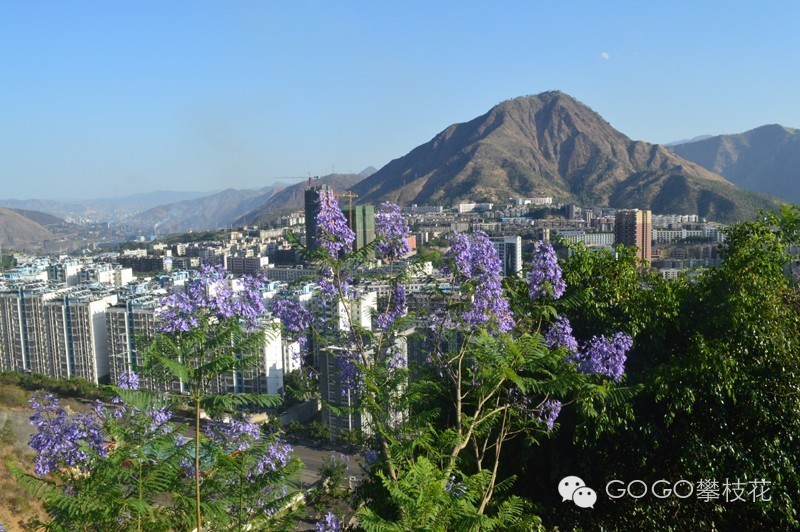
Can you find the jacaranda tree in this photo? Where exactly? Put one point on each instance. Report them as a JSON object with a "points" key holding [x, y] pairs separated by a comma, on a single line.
{"points": [[492, 371], [130, 466]]}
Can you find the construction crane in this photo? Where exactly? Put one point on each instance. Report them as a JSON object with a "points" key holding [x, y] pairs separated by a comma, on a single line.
{"points": [[350, 196]]}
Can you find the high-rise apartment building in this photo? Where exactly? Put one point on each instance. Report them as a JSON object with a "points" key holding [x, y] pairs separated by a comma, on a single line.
{"points": [[332, 361], [311, 210], [59, 333], [129, 323], [361, 219], [134, 321], [509, 249], [634, 227], [23, 332], [77, 340]]}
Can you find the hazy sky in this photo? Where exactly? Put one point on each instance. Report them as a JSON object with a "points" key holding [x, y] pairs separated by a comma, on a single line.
{"points": [[111, 98]]}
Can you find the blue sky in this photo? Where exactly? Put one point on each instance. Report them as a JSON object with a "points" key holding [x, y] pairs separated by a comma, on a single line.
{"points": [[111, 98]]}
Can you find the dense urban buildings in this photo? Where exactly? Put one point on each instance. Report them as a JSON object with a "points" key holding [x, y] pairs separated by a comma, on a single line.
{"points": [[86, 317]]}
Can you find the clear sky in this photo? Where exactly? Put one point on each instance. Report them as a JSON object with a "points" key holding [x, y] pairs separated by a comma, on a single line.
{"points": [[111, 98]]}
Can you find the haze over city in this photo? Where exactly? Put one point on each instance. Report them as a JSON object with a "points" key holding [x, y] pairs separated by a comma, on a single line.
{"points": [[104, 100]]}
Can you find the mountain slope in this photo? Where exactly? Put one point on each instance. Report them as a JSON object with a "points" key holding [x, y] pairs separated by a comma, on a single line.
{"points": [[208, 212], [765, 159], [19, 231], [551, 144], [42, 218], [292, 198]]}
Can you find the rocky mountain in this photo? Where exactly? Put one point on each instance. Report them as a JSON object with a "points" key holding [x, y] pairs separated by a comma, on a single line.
{"points": [[292, 198], [765, 159], [20, 232], [551, 144], [207, 212]]}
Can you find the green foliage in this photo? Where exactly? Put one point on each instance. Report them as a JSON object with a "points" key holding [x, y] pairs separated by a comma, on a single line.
{"points": [[7, 434], [74, 387], [332, 475], [7, 261], [718, 362], [318, 431]]}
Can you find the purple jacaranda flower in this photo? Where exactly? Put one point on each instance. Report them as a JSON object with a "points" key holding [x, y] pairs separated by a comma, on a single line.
{"points": [[333, 232], [548, 413], [237, 434], [370, 457], [348, 371], [477, 263], [329, 523], [396, 308], [560, 335], [545, 277], [160, 418], [604, 356], [330, 285], [293, 316], [397, 359], [461, 254], [61, 441], [211, 295], [391, 231], [277, 455], [128, 380]]}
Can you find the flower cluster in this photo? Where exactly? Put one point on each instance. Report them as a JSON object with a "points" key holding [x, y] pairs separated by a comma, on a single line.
{"points": [[477, 263], [212, 295], [392, 232], [545, 275], [548, 413], [396, 308], [330, 285], [350, 377], [293, 316], [61, 441], [329, 523], [128, 380], [560, 335], [278, 455], [333, 232], [237, 434], [604, 356], [159, 418]]}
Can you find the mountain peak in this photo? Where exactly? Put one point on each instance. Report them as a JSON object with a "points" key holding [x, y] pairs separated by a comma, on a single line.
{"points": [[765, 159], [548, 144]]}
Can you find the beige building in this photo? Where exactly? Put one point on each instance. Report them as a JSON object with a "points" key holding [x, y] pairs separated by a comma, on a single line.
{"points": [[634, 227]]}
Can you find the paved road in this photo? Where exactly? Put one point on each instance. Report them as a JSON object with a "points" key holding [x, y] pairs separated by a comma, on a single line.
{"points": [[312, 461]]}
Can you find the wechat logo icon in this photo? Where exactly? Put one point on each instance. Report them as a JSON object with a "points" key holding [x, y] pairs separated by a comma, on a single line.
{"points": [[574, 489]]}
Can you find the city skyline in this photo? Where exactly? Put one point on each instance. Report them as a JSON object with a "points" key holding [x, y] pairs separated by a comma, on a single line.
{"points": [[105, 101]]}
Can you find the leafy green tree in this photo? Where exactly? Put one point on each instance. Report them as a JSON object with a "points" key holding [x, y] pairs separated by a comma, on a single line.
{"points": [[718, 361]]}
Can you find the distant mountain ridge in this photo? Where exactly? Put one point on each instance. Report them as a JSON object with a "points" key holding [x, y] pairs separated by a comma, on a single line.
{"points": [[208, 212], [551, 144], [765, 159], [292, 198], [685, 141], [103, 209]]}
